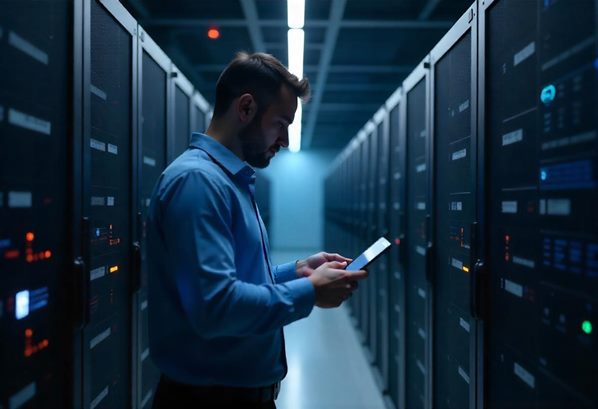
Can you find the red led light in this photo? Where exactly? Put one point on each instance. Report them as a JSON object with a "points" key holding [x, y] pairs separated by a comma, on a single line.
{"points": [[11, 254], [30, 236], [28, 332], [398, 242], [48, 254], [213, 33]]}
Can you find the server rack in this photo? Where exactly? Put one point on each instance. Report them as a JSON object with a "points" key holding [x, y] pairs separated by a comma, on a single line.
{"points": [[109, 151], [153, 98], [541, 230], [417, 288], [382, 229], [199, 113], [353, 188], [181, 112], [396, 374], [364, 229], [36, 40], [453, 126], [372, 197]]}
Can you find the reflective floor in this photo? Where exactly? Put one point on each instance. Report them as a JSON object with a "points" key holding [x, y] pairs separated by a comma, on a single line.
{"points": [[327, 364]]}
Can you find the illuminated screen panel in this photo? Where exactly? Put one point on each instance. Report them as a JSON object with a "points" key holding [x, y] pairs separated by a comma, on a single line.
{"points": [[108, 333], [35, 105], [182, 133], [454, 213], [541, 127], [416, 283]]}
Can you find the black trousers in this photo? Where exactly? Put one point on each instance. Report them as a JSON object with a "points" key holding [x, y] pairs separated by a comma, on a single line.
{"points": [[173, 395]]}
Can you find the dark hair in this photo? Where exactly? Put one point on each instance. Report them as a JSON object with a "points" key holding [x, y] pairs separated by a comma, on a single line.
{"points": [[258, 74]]}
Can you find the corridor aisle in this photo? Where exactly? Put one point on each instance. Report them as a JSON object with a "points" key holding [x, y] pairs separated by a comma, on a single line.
{"points": [[327, 365]]}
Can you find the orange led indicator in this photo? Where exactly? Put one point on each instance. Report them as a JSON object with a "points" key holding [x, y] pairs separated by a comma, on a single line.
{"points": [[113, 269], [48, 254], [28, 332], [29, 258], [30, 236], [466, 269], [213, 33]]}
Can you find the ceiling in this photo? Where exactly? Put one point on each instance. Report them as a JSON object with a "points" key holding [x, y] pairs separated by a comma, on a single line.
{"points": [[357, 52]]}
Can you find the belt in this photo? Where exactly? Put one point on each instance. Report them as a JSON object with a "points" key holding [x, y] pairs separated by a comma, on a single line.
{"points": [[229, 393]]}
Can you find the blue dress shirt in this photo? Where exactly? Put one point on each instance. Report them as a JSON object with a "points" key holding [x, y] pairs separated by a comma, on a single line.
{"points": [[216, 305]]}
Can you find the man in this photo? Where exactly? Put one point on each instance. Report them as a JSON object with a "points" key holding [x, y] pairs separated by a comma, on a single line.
{"points": [[216, 304]]}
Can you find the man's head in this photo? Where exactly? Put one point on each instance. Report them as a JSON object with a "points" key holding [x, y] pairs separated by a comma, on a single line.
{"points": [[257, 97]]}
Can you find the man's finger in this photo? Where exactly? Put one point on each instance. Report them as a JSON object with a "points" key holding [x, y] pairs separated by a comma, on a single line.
{"points": [[357, 275], [337, 257]]}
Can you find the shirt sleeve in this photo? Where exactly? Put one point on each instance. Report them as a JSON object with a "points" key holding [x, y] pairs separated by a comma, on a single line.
{"points": [[285, 272], [196, 226]]}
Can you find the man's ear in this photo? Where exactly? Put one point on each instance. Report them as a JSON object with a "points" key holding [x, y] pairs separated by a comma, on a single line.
{"points": [[246, 108]]}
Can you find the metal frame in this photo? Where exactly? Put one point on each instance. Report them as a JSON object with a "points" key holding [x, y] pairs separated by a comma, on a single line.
{"points": [[127, 22], [177, 79], [420, 73], [467, 23]]}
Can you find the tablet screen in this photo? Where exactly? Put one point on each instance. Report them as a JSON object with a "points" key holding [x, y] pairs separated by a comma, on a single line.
{"points": [[369, 255]]}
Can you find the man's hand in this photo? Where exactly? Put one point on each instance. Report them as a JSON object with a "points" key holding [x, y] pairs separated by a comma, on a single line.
{"points": [[333, 284], [305, 267]]}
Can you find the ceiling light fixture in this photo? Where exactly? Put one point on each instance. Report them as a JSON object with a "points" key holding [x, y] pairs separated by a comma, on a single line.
{"points": [[296, 13], [296, 46]]}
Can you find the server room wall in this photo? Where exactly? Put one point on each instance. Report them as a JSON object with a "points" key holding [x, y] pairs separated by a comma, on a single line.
{"points": [[86, 98], [493, 154]]}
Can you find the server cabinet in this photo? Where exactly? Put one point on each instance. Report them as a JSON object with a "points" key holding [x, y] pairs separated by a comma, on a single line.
{"points": [[107, 201], [180, 115], [152, 74], [453, 126], [382, 229], [396, 266], [417, 288], [538, 111], [364, 160], [36, 102], [353, 188], [372, 200], [199, 113]]}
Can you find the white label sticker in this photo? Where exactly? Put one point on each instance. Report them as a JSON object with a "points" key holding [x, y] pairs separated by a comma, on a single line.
{"points": [[98, 200], [456, 206], [514, 288], [97, 273], [558, 207], [420, 206], [110, 201], [509, 207], [97, 145], [458, 264], [420, 250], [27, 48], [113, 149], [29, 122], [149, 161], [23, 396], [20, 199], [512, 137], [460, 154], [524, 54], [99, 338], [420, 168], [94, 403], [524, 262], [524, 375]]}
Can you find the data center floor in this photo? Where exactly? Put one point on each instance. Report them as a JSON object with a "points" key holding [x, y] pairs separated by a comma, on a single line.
{"points": [[328, 368]]}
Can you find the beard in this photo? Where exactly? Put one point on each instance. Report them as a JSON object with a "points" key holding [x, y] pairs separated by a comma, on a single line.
{"points": [[254, 149]]}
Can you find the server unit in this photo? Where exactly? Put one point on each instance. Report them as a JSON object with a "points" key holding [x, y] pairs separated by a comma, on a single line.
{"points": [[181, 112], [538, 111], [396, 266], [454, 238], [153, 71], [35, 123]]}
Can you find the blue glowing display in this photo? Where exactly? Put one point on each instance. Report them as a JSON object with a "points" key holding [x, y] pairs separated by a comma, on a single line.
{"points": [[548, 94], [4, 243], [98, 232], [568, 175], [22, 304]]}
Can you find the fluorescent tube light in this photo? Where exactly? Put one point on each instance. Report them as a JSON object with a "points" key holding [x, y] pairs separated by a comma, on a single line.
{"points": [[296, 13], [295, 129], [296, 39]]}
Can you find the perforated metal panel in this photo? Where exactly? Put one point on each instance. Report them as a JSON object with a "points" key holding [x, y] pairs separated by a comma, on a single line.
{"points": [[35, 106]]}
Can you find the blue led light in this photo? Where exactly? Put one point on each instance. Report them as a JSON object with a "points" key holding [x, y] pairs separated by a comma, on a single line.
{"points": [[97, 232], [22, 304], [543, 174], [596, 63], [548, 94]]}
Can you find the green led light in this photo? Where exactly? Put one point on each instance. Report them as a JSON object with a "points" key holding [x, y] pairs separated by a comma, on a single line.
{"points": [[586, 327]]}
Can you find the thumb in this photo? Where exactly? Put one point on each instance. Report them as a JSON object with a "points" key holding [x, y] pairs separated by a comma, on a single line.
{"points": [[336, 264], [358, 275]]}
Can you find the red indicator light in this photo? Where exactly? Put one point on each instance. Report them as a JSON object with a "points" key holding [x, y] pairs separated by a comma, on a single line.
{"points": [[30, 236], [213, 33], [29, 258], [48, 254], [507, 238], [11, 254], [398, 242], [28, 332]]}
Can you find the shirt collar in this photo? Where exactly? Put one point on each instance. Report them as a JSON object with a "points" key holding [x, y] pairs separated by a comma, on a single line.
{"points": [[223, 156]]}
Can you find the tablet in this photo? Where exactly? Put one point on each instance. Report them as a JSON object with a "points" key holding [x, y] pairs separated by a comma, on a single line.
{"points": [[368, 256]]}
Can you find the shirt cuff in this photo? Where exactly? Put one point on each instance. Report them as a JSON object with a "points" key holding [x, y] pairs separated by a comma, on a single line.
{"points": [[304, 296], [285, 272]]}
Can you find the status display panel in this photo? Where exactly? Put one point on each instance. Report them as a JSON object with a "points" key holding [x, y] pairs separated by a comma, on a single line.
{"points": [[35, 105], [416, 291], [109, 157], [454, 204], [541, 120]]}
